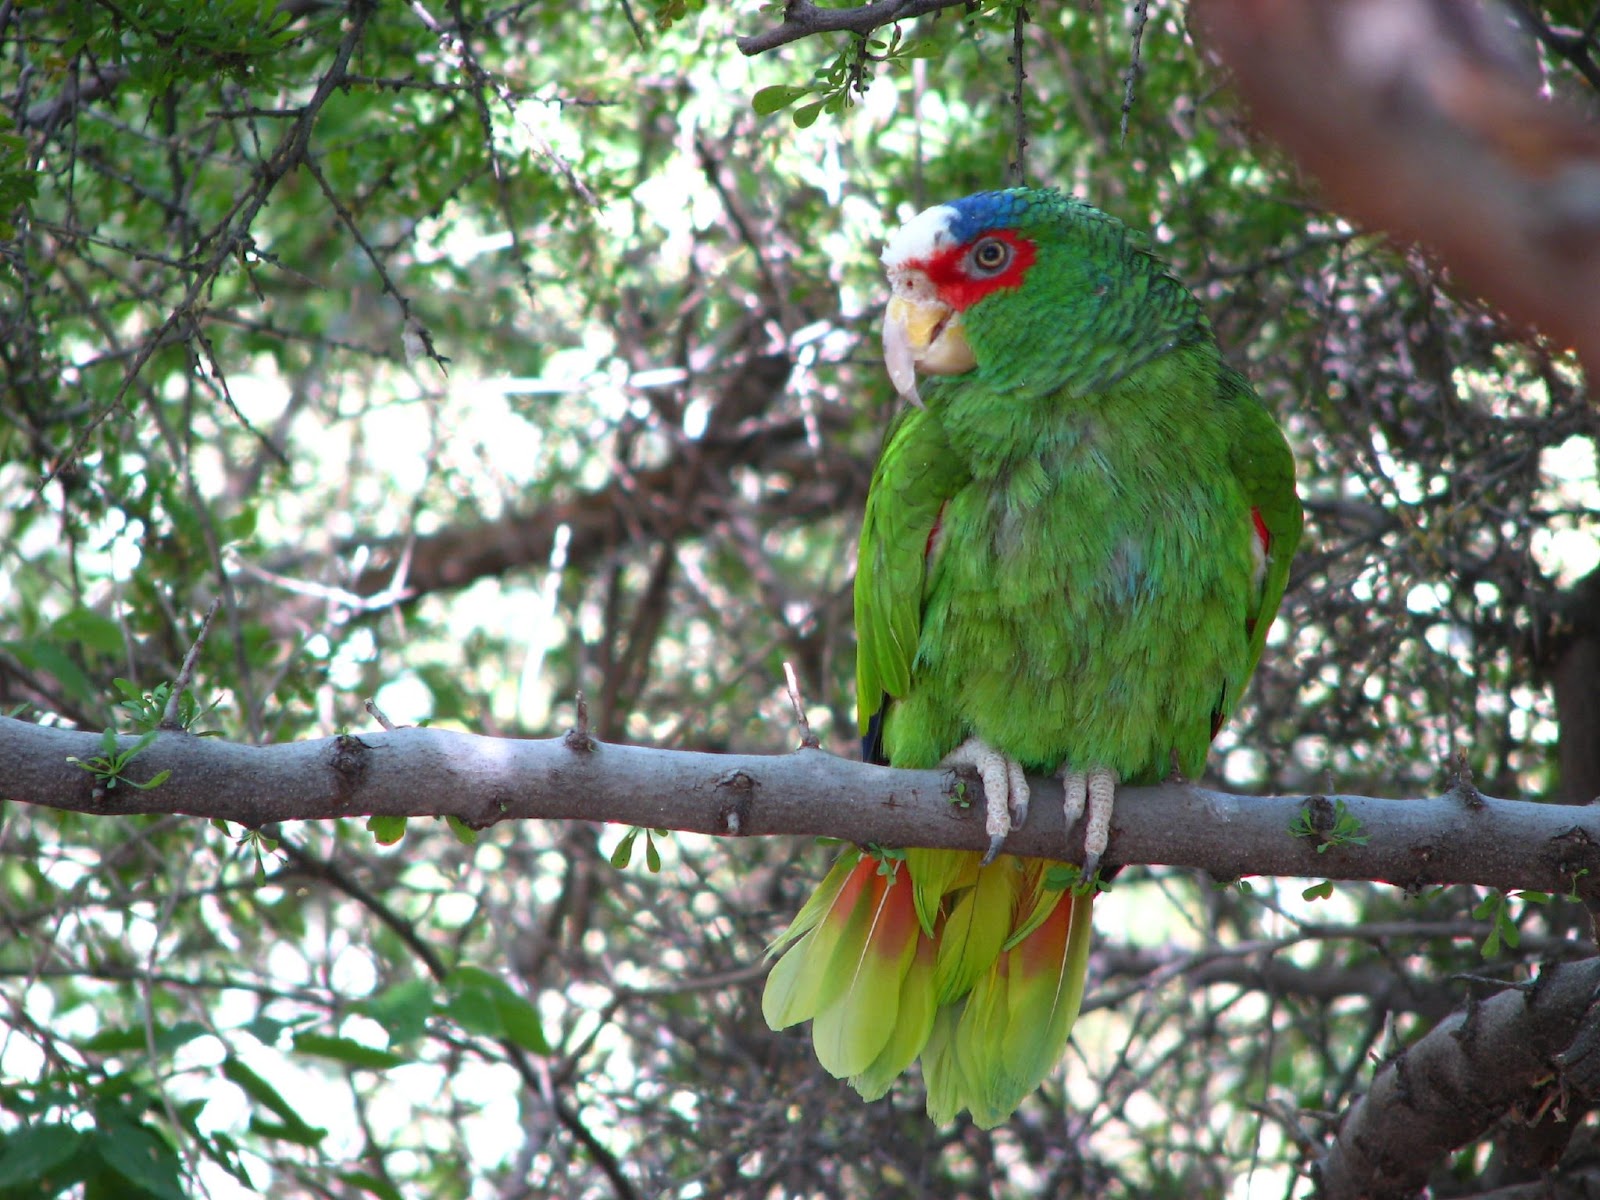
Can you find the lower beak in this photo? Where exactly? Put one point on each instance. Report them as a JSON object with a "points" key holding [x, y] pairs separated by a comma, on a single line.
{"points": [[923, 335]]}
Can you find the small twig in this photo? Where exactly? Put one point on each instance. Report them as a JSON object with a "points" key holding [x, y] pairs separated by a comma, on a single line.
{"points": [[1287, 1117], [377, 714], [456, 46], [198, 337], [415, 339], [808, 740], [578, 737], [169, 714], [633, 24], [1019, 172], [388, 596], [1141, 14], [1461, 782]]}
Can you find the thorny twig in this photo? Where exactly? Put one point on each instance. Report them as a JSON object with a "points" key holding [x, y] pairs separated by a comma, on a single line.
{"points": [[169, 714]]}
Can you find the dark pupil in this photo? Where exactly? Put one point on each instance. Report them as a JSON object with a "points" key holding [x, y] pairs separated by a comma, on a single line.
{"points": [[990, 254]]}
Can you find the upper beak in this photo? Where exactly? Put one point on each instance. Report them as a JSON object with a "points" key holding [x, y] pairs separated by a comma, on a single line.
{"points": [[921, 333]]}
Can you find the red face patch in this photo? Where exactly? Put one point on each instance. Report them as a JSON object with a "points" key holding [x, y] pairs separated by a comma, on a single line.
{"points": [[959, 280]]}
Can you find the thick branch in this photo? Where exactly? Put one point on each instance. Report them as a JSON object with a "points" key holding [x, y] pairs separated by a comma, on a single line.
{"points": [[1456, 1082], [802, 19], [648, 497], [459, 554], [424, 772], [1422, 119]]}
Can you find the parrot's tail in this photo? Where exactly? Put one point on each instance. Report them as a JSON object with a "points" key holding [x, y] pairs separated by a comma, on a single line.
{"points": [[980, 970]]}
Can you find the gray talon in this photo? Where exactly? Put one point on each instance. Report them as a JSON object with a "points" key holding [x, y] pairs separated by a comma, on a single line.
{"points": [[1005, 789]]}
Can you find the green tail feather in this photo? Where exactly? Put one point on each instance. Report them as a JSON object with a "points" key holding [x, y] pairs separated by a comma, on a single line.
{"points": [[936, 874], [866, 972], [800, 985], [987, 1002], [1047, 973], [979, 922], [912, 1026], [947, 1087]]}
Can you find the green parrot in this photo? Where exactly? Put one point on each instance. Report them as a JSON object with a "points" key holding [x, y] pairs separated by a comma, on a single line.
{"points": [[1074, 543]]}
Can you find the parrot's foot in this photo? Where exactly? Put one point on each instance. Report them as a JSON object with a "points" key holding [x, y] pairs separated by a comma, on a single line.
{"points": [[1005, 789], [1096, 790]]}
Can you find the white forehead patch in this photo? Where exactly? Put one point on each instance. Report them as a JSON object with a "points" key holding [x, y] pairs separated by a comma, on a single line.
{"points": [[924, 235]]}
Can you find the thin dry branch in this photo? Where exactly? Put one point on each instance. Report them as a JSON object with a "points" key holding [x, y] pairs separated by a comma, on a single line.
{"points": [[430, 772]]}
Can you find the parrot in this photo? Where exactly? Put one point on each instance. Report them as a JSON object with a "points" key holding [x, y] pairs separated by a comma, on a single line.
{"points": [[1076, 537]]}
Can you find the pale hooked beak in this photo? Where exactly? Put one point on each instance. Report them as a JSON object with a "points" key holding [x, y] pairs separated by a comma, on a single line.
{"points": [[921, 333]]}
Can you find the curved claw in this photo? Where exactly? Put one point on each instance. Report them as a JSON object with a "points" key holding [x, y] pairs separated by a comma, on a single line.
{"points": [[1094, 792], [1005, 789]]}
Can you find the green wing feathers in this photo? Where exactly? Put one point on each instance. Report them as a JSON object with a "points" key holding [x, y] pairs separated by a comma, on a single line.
{"points": [[915, 476], [1264, 466]]}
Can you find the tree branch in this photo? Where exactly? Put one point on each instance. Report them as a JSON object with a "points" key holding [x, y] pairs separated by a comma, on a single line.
{"points": [[428, 772], [802, 19], [1424, 120], [1452, 1085]]}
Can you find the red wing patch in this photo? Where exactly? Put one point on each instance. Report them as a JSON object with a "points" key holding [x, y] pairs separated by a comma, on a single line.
{"points": [[1262, 533], [1262, 548]]}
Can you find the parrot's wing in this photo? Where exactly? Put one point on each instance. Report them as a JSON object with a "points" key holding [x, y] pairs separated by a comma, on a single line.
{"points": [[915, 477], [1264, 467]]}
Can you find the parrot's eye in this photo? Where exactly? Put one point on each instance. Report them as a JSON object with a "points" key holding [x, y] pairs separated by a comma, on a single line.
{"points": [[991, 256]]}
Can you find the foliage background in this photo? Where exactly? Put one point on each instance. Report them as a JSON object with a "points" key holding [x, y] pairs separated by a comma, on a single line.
{"points": [[475, 356]]}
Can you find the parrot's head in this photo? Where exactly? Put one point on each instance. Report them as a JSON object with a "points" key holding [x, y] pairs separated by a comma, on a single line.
{"points": [[1027, 287]]}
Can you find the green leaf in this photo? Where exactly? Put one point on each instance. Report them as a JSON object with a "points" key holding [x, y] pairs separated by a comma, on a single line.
{"points": [[402, 1009], [806, 115], [347, 1051], [1318, 891], [54, 662], [297, 1131], [476, 1012], [263, 1093], [84, 627], [135, 1152], [1062, 876], [1491, 944], [484, 1004], [652, 856], [623, 854], [32, 1153], [371, 1184], [779, 96], [522, 1025], [387, 830], [465, 834], [118, 1039]]}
